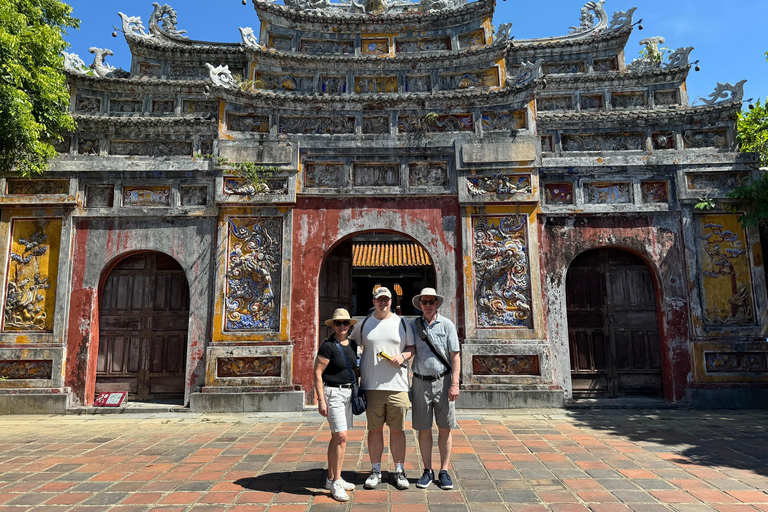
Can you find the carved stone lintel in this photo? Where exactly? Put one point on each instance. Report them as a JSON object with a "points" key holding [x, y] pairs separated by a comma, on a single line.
{"points": [[722, 92], [589, 25], [221, 76]]}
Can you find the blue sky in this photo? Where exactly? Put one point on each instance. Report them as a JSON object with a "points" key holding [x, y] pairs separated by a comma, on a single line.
{"points": [[728, 45]]}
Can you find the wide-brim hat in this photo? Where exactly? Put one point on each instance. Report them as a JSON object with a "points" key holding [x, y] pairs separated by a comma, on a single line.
{"points": [[340, 314], [427, 291]]}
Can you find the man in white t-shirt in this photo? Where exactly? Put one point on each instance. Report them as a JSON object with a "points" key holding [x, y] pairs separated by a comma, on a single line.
{"points": [[387, 344]]}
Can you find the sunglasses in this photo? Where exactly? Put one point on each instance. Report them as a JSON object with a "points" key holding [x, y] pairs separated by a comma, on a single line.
{"points": [[339, 323], [428, 302]]}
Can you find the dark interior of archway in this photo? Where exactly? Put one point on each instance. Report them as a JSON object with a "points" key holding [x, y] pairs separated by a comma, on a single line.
{"points": [[364, 261], [613, 327], [143, 321]]}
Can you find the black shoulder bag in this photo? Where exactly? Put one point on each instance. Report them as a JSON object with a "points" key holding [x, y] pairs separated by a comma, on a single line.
{"points": [[359, 402], [425, 337]]}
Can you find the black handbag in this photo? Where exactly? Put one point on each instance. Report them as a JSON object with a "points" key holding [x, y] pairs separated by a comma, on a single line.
{"points": [[359, 402]]}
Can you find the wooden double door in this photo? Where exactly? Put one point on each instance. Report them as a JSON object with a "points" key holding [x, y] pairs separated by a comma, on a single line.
{"points": [[613, 326], [143, 322]]}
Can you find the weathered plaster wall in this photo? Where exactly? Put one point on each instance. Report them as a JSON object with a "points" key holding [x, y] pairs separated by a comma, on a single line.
{"points": [[657, 238], [319, 224], [98, 245]]}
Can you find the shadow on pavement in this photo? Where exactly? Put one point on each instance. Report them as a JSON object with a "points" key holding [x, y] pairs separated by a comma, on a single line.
{"points": [[302, 483], [732, 439]]}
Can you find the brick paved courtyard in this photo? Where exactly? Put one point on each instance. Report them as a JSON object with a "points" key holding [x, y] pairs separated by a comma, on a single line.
{"points": [[560, 460]]}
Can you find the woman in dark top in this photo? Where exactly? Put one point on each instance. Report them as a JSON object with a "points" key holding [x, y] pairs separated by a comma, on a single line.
{"points": [[333, 385]]}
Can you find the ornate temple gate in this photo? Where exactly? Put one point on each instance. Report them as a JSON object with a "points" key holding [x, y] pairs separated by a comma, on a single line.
{"points": [[143, 317], [613, 327]]}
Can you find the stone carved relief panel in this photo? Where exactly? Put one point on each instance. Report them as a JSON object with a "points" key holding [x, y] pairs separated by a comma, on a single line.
{"points": [[26, 369], [443, 123], [428, 174], [697, 139], [88, 104], [191, 72], [423, 45], [665, 98], [591, 102], [501, 272], [472, 39], [125, 106], [200, 106], [247, 123], [716, 180], [663, 140], [504, 120], [418, 83], [253, 274], [30, 285], [374, 46], [726, 280], [603, 142], [605, 65], [193, 195], [376, 174], [555, 103], [248, 366], [736, 362], [326, 47], [608, 193], [150, 148], [234, 186], [37, 187], [547, 144], [282, 43], [376, 124], [558, 193], [324, 174], [333, 84], [627, 100], [654, 191], [282, 82], [163, 106], [88, 146], [482, 79], [505, 365], [499, 184], [561, 68], [149, 69], [317, 125], [375, 84], [147, 196]]}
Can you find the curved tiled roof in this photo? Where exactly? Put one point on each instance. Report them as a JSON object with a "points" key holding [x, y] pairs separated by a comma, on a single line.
{"points": [[676, 115], [389, 254]]}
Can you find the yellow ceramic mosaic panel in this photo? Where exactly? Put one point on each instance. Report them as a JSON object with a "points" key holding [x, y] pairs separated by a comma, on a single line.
{"points": [[373, 84], [726, 283], [30, 284], [375, 46]]}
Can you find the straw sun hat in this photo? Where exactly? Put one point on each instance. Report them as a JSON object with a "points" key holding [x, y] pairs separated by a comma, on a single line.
{"points": [[340, 314]]}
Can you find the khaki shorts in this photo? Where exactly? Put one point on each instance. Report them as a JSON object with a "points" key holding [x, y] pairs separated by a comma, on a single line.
{"points": [[431, 398], [388, 407]]}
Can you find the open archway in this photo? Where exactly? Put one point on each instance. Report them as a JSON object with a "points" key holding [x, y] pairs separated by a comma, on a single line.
{"points": [[613, 326], [143, 324], [363, 261]]}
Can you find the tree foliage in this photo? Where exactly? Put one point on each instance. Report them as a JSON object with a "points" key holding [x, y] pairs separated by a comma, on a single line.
{"points": [[753, 132], [34, 97]]}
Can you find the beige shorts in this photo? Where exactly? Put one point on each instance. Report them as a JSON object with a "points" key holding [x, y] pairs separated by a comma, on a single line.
{"points": [[388, 407]]}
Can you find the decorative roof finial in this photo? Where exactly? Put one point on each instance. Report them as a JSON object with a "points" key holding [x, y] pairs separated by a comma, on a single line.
{"points": [[726, 93], [221, 76], [588, 14]]}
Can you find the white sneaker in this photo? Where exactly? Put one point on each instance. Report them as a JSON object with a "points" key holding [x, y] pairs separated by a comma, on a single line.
{"points": [[347, 486], [401, 481], [337, 491], [372, 481]]}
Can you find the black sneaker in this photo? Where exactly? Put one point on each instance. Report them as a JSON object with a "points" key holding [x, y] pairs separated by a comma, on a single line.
{"points": [[444, 480], [426, 479]]}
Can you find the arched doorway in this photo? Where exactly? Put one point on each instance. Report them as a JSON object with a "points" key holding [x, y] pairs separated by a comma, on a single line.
{"points": [[143, 321], [613, 326], [363, 261]]}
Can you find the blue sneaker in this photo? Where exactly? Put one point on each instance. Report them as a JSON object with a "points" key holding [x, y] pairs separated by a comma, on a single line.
{"points": [[426, 479], [444, 480]]}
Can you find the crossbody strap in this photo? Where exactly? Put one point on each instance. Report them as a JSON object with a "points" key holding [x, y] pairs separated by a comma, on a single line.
{"points": [[424, 335], [349, 368]]}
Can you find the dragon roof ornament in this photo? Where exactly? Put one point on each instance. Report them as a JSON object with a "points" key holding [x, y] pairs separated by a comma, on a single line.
{"points": [[593, 22], [726, 93], [74, 64], [588, 14], [162, 22], [528, 72], [502, 34], [249, 38], [221, 76], [373, 6]]}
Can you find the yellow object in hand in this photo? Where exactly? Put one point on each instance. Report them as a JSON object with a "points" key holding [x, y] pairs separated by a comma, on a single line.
{"points": [[384, 355]]}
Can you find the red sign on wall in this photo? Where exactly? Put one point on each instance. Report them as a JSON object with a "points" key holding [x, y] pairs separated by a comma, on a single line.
{"points": [[111, 399]]}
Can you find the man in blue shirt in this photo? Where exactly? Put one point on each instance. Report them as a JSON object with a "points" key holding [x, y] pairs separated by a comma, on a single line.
{"points": [[436, 371]]}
